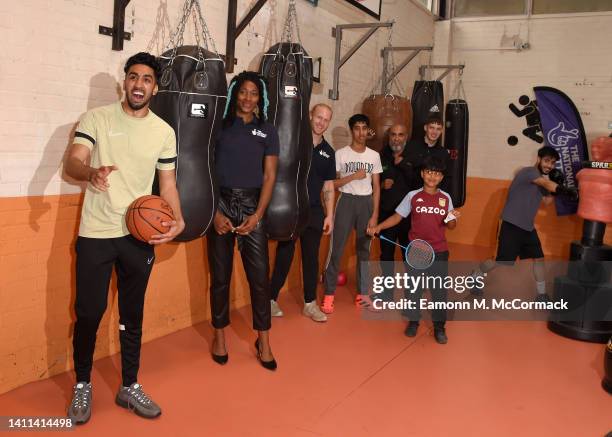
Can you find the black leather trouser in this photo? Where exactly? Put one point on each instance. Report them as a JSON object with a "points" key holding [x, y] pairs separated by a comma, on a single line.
{"points": [[237, 204]]}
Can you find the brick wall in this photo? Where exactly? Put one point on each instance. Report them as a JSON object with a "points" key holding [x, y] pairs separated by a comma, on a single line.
{"points": [[568, 52], [55, 66]]}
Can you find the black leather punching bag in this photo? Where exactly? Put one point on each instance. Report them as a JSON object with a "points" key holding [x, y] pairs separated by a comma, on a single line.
{"points": [[288, 70], [456, 142], [191, 99], [427, 99]]}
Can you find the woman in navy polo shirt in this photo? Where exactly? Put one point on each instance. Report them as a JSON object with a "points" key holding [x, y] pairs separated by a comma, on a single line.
{"points": [[246, 157]]}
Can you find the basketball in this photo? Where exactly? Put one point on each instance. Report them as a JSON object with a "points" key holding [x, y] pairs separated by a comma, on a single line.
{"points": [[145, 215]]}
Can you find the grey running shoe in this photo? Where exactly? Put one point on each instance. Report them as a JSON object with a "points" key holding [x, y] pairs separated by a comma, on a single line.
{"points": [[80, 407], [275, 308], [475, 291], [311, 309], [440, 335], [135, 399]]}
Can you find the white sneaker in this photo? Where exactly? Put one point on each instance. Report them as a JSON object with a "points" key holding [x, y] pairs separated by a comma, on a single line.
{"points": [[276, 310], [311, 309]]}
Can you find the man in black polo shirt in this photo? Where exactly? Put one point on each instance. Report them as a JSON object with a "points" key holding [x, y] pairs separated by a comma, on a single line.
{"points": [[419, 148], [397, 177], [320, 179]]}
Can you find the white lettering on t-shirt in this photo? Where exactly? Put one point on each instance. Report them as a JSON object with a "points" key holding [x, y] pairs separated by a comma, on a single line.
{"points": [[352, 167], [349, 162], [430, 210]]}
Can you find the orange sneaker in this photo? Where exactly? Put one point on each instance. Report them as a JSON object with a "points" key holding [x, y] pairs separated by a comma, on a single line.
{"points": [[328, 304]]}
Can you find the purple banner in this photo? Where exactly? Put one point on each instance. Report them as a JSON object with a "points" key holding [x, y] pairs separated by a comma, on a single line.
{"points": [[563, 130]]}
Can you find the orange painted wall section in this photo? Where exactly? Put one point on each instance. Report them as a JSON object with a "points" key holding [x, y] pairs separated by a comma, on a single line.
{"points": [[37, 287]]}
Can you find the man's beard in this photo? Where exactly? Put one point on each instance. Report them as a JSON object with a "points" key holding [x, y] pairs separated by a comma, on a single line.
{"points": [[397, 149], [137, 106]]}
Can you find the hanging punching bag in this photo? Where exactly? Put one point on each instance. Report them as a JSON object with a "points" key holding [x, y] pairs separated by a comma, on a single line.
{"points": [[427, 99], [288, 70], [384, 112], [456, 142], [191, 99]]}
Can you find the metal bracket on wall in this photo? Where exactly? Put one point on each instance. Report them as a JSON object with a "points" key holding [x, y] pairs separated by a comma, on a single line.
{"points": [[447, 69], [118, 30], [234, 31], [388, 76], [339, 61]]}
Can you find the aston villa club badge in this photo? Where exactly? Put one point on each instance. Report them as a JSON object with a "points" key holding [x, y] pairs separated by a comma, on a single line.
{"points": [[442, 202]]}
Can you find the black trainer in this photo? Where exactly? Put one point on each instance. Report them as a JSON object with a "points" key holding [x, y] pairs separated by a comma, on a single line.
{"points": [[440, 336], [411, 329]]}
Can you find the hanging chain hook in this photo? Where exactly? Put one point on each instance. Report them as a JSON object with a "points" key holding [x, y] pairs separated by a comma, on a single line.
{"points": [[290, 22], [391, 66], [177, 38]]}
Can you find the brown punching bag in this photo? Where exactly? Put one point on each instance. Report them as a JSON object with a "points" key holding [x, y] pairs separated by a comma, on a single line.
{"points": [[384, 111]]}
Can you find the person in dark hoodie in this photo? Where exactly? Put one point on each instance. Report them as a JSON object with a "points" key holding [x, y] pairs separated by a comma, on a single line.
{"points": [[397, 178], [428, 145]]}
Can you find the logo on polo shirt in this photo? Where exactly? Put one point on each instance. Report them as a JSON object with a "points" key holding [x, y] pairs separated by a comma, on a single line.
{"points": [[442, 202], [322, 153], [259, 133], [419, 199]]}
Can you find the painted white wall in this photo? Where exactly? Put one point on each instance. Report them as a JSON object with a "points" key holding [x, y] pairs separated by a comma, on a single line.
{"points": [[54, 66], [568, 52]]}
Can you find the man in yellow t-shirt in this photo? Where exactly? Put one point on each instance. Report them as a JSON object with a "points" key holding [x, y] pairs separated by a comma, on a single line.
{"points": [[117, 149]]}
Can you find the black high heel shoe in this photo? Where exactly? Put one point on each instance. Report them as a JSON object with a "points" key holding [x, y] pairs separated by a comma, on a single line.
{"points": [[220, 359], [270, 365]]}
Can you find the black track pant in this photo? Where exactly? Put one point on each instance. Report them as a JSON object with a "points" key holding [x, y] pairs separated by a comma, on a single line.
{"points": [[439, 269], [310, 240], [237, 204], [96, 257], [397, 233]]}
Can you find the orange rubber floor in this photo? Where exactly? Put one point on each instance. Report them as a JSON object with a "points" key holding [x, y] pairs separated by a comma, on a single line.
{"points": [[349, 377]]}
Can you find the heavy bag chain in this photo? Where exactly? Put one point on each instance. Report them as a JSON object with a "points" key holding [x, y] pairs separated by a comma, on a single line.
{"points": [[459, 90], [290, 22], [177, 39], [395, 81]]}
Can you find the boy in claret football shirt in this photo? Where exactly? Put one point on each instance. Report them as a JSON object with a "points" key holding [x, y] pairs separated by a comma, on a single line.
{"points": [[431, 211]]}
